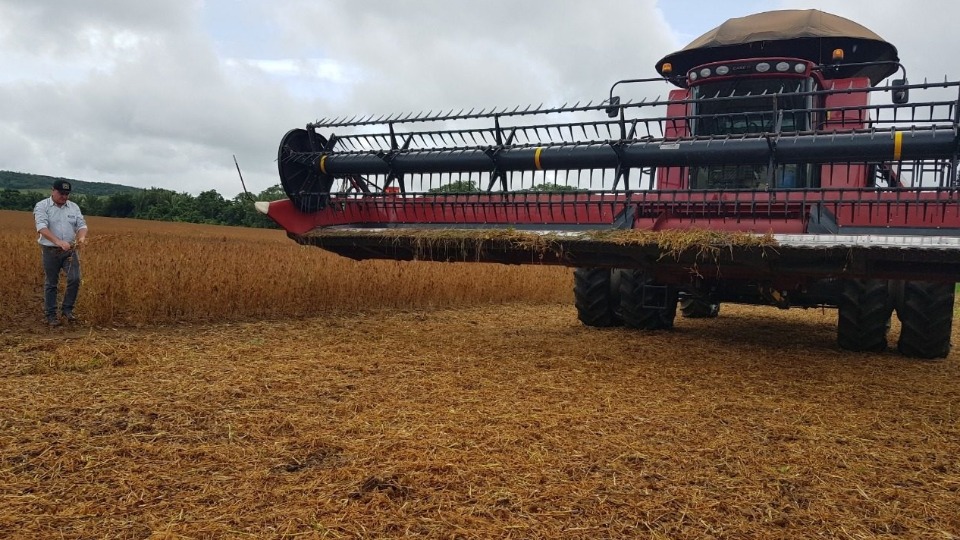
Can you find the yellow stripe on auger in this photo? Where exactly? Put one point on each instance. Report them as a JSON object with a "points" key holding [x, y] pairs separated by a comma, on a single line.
{"points": [[897, 144], [323, 164], [536, 158]]}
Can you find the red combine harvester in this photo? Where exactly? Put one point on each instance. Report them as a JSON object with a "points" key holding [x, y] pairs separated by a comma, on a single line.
{"points": [[782, 170]]}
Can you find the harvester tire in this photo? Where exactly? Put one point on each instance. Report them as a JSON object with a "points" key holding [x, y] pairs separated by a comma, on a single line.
{"points": [[926, 318], [864, 310], [596, 293], [641, 312], [698, 308]]}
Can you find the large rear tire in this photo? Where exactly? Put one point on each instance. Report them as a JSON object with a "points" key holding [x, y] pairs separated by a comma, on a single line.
{"points": [[645, 305], [596, 293], [864, 310], [926, 317]]}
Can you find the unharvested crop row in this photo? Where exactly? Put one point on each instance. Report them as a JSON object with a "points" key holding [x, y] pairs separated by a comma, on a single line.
{"points": [[144, 272]]}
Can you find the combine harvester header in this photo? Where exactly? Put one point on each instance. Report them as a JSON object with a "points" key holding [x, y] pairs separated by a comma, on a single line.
{"points": [[782, 169]]}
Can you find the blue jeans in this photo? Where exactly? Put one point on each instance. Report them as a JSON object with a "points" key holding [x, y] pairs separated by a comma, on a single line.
{"points": [[56, 260]]}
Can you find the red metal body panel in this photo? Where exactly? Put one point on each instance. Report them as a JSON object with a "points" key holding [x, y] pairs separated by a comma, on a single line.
{"points": [[763, 212], [931, 210], [676, 128], [846, 111], [678, 110], [843, 176]]}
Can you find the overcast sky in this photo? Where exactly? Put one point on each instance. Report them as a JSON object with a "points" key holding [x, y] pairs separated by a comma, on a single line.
{"points": [[164, 93]]}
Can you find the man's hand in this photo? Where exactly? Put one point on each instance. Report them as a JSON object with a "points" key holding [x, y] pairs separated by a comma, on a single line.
{"points": [[64, 245]]}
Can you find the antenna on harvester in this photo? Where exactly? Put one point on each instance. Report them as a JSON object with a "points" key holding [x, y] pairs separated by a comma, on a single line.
{"points": [[242, 184]]}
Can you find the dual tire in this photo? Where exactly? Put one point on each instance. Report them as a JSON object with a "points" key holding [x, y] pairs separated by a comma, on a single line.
{"points": [[596, 294], [644, 304], [863, 310], [622, 297], [626, 297], [925, 310], [926, 319]]}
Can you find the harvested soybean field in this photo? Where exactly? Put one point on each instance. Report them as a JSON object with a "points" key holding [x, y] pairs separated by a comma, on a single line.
{"points": [[480, 413]]}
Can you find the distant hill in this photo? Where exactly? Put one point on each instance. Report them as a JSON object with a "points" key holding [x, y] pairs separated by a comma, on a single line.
{"points": [[38, 182]]}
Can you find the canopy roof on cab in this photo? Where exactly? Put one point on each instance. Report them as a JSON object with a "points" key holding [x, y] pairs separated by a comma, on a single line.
{"points": [[807, 34]]}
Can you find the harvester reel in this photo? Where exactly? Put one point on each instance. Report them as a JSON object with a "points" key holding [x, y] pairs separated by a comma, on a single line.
{"points": [[302, 181]]}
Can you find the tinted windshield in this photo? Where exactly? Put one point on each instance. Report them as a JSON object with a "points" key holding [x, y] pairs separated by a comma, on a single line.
{"points": [[752, 106], [785, 176], [739, 106]]}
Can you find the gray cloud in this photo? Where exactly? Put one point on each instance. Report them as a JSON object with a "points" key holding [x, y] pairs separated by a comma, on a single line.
{"points": [[146, 94], [424, 54], [154, 105], [925, 34], [69, 29]]}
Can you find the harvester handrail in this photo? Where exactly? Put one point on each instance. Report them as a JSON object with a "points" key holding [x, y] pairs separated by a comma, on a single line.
{"points": [[440, 116], [784, 137], [630, 127]]}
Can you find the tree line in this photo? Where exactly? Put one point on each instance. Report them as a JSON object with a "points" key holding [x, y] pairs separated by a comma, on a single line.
{"points": [[159, 204], [208, 207], [39, 182]]}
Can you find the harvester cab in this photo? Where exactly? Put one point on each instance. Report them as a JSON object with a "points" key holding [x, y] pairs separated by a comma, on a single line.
{"points": [[780, 170], [786, 83]]}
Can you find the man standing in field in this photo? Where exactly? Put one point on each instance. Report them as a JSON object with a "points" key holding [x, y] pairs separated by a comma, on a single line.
{"points": [[62, 230]]}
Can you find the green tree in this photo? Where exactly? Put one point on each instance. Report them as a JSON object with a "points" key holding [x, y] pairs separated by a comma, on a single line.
{"points": [[552, 187], [90, 205], [460, 186], [272, 193], [160, 204], [119, 205], [12, 199], [210, 206], [153, 203]]}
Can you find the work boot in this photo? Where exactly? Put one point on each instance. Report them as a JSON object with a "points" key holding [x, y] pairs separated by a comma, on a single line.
{"points": [[69, 316], [53, 322]]}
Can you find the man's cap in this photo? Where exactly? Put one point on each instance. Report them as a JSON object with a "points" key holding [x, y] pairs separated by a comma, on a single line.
{"points": [[62, 186]]}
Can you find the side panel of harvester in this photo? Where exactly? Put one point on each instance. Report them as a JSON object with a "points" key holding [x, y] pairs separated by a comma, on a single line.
{"points": [[846, 111], [677, 127]]}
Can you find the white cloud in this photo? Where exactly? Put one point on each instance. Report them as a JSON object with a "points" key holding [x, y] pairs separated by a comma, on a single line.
{"points": [[164, 93], [422, 55], [317, 68], [924, 33]]}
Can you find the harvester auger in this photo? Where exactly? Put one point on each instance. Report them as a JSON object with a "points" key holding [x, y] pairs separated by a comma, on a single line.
{"points": [[766, 177]]}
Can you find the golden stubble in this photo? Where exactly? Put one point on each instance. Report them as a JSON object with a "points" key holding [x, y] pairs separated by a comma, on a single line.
{"points": [[147, 273]]}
